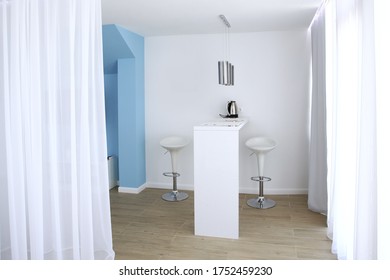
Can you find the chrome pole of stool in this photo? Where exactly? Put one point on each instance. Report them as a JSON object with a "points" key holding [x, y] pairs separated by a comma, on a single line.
{"points": [[261, 202], [261, 146], [173, 145], [174, 195]]}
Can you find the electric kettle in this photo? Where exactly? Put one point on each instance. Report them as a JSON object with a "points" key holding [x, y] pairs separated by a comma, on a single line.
{"points": [[232, 109]]}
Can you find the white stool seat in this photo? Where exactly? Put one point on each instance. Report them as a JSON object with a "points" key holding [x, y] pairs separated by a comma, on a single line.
{"points": [[261, 146], [173, 144]]}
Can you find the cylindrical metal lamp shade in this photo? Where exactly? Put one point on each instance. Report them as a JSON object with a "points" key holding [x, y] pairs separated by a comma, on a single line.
{"points": [[220, 72], [229, 73], [225, 73], [232, 76]]}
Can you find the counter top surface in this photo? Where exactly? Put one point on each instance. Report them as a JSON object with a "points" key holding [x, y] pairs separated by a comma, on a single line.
{"points": [[222, 124]]}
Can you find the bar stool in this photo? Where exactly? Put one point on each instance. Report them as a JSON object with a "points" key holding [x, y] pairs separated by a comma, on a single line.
{"points": [[173, 145], [261, 146]]}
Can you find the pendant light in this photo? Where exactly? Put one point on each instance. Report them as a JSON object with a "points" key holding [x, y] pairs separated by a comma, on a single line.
{"points": [[225, 68]]}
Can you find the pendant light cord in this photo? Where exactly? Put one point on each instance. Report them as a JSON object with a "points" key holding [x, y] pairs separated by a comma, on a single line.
{"points": [[228, 43], [227, 36]]}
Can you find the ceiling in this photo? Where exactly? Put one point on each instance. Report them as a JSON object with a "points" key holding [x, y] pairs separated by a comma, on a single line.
{"points": [[176, 17]]}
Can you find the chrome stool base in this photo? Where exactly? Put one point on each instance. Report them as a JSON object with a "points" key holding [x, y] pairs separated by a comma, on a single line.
{"points": [[174, 195], [261, 202]]}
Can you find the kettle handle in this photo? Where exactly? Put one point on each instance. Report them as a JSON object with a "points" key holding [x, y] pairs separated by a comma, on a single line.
{"points": [[227, 105]]}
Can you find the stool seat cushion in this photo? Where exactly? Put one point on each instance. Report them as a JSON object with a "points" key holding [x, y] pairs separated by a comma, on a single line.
{"points": [[260, 144], [173, 143]]}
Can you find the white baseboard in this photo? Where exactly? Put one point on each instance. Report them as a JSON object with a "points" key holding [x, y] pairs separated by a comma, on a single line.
{"points": [[245, 189], [132, 190], [274, 191], [188, 187], [168, 186]]}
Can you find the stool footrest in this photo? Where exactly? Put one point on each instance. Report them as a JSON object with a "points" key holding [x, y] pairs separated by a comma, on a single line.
{"points": [[260, 179], [171, 174]]}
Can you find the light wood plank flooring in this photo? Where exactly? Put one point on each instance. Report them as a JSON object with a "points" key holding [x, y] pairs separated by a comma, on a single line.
{"points": [[146, 227]]}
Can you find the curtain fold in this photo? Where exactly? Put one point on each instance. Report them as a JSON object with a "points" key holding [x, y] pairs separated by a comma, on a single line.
{"points": [[317, 189], [53, 180]]}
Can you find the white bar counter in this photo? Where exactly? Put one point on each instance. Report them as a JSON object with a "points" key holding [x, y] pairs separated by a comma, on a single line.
{"points": [[216, 178]]}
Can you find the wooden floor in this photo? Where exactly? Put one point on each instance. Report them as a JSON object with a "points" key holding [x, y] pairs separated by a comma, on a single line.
{"points": [[146, 227]]}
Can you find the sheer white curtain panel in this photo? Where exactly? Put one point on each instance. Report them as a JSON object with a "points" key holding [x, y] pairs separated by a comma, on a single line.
{"points": [[54, 200], [382, 68], [355, 217]]}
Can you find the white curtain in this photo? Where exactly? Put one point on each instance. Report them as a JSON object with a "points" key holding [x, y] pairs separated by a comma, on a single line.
{"points": [[54, 200], [382, 68], [317, 190], [355, 214]]}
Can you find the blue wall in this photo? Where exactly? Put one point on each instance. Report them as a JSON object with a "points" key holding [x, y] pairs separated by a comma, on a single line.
{"points": [[123, 53]]}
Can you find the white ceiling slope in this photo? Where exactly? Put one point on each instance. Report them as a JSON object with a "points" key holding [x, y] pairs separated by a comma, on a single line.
{"points": [[175, 17]]}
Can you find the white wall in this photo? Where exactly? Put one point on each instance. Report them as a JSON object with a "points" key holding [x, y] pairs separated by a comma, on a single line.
{"points": [[271, 86]]}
